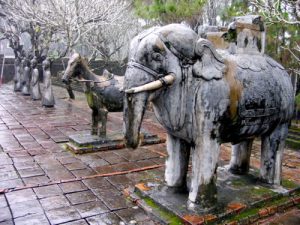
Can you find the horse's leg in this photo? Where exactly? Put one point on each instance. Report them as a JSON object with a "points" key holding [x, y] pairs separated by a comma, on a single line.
{"points": [[103, 118], [271, 154], [95, 114], [177, 162], [240, 157]]}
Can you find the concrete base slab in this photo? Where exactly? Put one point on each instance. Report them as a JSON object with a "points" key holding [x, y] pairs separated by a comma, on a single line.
{"points": [[236, 194], [85, 142]]}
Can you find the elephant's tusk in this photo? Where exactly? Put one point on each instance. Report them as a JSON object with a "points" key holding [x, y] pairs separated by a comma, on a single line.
{"points": [[154, 85]]}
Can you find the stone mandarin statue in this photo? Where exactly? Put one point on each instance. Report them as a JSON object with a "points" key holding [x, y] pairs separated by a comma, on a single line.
{"points": [[26, 77], [205, 96], [17, 76], [35, 81], [48, 97]]}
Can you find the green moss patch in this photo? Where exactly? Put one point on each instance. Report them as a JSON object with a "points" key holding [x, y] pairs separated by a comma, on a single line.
{"points": [[288, 184], [238, 183], [164, 214], [295, 144], [261, 191]]}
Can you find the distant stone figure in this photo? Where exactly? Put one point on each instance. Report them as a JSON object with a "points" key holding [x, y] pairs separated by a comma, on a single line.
{"points": [[48, 97], [17, 77], [26, 77], [35, 83], [104, 93]]}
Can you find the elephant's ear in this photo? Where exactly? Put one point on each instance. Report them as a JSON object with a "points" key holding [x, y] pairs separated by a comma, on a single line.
{"points": [[209, 65]]}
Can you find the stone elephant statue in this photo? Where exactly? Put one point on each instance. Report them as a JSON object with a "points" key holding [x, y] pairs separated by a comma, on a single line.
{"points": [[204, 97]]}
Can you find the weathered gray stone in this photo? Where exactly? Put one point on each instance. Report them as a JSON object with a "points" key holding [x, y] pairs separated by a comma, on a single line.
{"points": [[35, 82], [48, 97], [104, 93], [205, 97]]}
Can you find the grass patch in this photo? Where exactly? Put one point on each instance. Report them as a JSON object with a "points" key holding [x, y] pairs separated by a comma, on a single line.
{"points": [[289, 184], [295, 144], [295, 129]]}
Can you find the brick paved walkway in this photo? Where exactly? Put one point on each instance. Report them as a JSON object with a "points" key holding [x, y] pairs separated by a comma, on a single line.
{"points": [[59, 186]]}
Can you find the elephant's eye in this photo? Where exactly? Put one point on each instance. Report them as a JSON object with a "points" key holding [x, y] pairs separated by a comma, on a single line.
{"points": [[157, 56]]}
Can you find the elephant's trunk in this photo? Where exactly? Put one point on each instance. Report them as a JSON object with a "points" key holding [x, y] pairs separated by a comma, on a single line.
{"points": [[134, 109], [134, 105]]}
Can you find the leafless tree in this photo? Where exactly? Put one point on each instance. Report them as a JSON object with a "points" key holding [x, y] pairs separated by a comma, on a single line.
{"points": [[73, 22], [282, 12], [272, 10]]}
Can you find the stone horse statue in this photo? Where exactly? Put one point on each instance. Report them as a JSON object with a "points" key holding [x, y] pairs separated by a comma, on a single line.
{"points": [[104, 93]]}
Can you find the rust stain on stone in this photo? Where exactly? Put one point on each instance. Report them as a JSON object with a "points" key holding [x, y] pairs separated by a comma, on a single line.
{"points": [[272, 209], [236, 206], [209, 217], [194, 219], [263, 212], [142, 187], [235, 87]]}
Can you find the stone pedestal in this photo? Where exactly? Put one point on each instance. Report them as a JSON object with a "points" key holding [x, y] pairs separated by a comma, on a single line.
{"points": [[237, 195], [85, 142]]}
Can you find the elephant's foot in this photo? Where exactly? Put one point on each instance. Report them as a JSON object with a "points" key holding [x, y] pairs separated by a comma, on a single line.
{"points": [[271, 155], [206, 197], [239, 170], [102, 133], [177, 189], [177, 163], [240, 158], [94, 131]]}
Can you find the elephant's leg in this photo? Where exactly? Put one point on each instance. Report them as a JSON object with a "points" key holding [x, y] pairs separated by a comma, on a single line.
{"points": [[95, 115], [271, 155], [204, 171], [177, 163], [240, 157], [103, 119]]}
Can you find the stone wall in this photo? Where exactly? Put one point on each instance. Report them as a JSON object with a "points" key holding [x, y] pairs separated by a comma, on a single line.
{"points": [[98, 66], [9, 69]]}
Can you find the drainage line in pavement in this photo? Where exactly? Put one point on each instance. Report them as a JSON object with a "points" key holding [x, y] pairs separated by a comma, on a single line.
{"points": [[6, 190]]}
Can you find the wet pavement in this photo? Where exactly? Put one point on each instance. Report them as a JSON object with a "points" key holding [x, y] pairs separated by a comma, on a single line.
{"points": [[46, 184]]}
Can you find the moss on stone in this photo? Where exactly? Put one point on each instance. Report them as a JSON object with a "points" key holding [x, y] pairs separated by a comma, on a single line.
{"points": [[245, 214], [164, 214], [238, 183], [261, 191]]}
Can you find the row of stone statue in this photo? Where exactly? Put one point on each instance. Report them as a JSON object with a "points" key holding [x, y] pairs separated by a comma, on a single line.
{"points": [[27, 80]]}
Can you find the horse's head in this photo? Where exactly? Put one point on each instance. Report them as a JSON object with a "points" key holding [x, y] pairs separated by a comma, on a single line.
{"points": [[73, 69]]}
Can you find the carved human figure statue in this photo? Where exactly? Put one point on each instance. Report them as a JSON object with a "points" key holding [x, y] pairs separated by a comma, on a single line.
{"points": [[48, 97], [35, 83], [26, 77], [17, 77]]}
